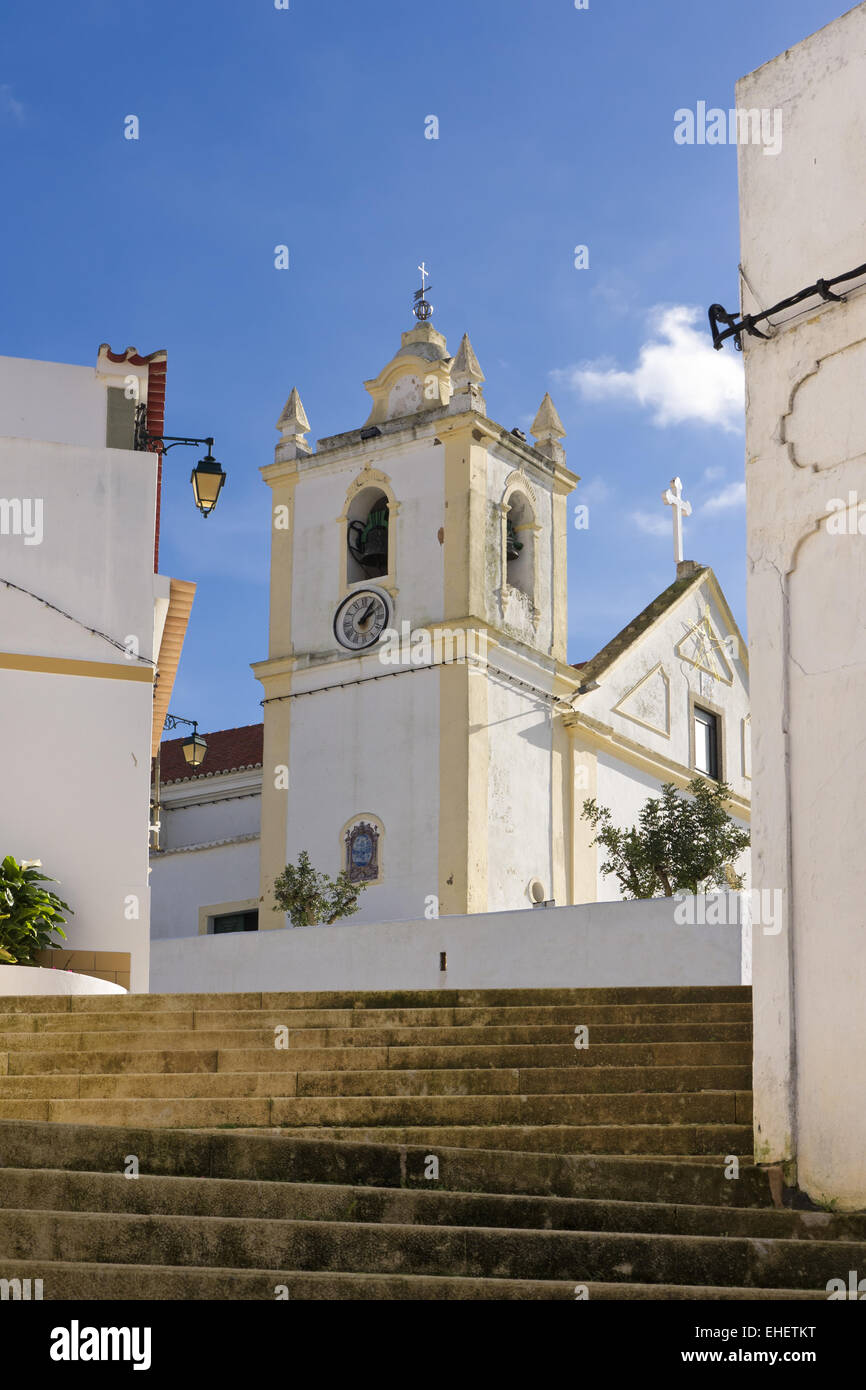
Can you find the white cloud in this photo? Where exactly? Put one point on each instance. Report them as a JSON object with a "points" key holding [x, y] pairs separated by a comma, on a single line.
{"points": [[734, 495], [651, 524], [679, 375], [9, 106], [712, 475], [593, 492]]}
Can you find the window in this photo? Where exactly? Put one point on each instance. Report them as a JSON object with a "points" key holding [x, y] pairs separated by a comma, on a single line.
{"points": [[235, 921], [706, 743]]}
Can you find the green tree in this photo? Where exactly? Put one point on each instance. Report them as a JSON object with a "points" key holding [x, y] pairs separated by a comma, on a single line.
{"points": [[679, 845], [312, 898], [29, 915]]}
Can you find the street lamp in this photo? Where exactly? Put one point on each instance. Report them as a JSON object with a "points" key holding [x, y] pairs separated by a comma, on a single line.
{"points": [[194, 747], [207, 477], [194, 750], [207, 480]]}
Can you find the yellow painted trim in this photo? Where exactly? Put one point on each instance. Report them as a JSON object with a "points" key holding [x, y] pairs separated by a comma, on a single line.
{"points": [[464, 753], [583, 764], [562, 802], [64, 666], [559, 588], [275, 800], [220, 909], [282, 547]]}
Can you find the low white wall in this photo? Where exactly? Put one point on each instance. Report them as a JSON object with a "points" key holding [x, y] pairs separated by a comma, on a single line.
{"points": [[624, 943], [33, 979]]}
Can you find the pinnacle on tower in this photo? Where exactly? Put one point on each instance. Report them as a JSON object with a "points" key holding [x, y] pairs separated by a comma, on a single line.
{"points": [[547, 424], [466, 379], [294, 418], [293, 425], [466, 363], [547, 430]]}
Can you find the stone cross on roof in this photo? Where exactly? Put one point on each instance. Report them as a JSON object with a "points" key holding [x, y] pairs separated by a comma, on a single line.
{"points": [[673, 497]]}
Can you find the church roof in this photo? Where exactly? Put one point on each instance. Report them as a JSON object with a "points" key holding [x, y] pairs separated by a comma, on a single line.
{"points": [[590, 670], [228, 750]]}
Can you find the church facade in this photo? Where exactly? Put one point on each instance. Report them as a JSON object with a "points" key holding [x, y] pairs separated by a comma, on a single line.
{"points": [[423, 728]]}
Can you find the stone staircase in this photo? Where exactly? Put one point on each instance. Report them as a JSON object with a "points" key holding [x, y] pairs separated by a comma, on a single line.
{"points": [[432, 1145]]}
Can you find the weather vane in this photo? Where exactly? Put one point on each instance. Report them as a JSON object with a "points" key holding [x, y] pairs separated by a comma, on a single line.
{"points": [[422, 308]]}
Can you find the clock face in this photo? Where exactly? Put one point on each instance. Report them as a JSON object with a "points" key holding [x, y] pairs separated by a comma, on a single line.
{"points": [[361, 619]]}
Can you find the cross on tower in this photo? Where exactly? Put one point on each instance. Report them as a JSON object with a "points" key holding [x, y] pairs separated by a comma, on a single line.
{"points": [[422, 309], [673, 497]]}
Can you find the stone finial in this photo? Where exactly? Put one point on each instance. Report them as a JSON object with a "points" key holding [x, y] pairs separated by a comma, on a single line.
{"points": [[294, 418], [466, 363], [547, 424], [466, 379], [293, 425], [547, 430]]}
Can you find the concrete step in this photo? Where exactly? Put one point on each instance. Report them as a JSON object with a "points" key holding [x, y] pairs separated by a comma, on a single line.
{"points": [[386, 1248], [488, 1036], [114, 1019], [599, 1054], [196, 1055], [368, 1107], [464, 1036], [280, 1157], [521, 1080], [715, 1141], [615, 1124], [380, 999], [308, 1166], [707, 1107], [494, 1016], [59, 1190], [188, 1059], [79, 1282]]}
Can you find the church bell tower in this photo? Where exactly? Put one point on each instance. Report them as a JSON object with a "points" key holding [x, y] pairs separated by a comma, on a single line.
{"points": [[417, 645]]}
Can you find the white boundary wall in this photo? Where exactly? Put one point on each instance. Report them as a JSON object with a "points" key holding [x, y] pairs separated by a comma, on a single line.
{"points": [[39, 981], [596, 944]]}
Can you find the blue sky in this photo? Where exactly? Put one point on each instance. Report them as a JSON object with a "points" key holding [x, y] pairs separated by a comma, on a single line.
{"points": [[305, 127]]}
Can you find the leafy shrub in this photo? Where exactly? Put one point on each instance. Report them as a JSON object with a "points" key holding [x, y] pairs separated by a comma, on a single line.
{"points": [[312, 898], [680, 844], [29, 915]]}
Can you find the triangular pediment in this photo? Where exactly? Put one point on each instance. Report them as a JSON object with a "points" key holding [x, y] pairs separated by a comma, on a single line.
{"points": [[648, 703]]}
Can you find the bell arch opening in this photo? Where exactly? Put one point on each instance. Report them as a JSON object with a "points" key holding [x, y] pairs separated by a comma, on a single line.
{"points": [[368, 536]]}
